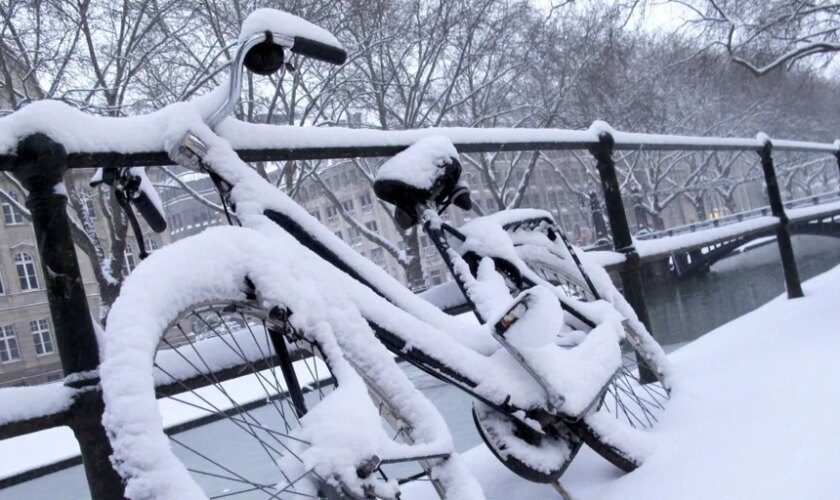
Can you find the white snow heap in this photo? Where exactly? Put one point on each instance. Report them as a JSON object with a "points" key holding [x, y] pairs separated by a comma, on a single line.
{"points": [[22, 403], [761, 138], [599, 127], [277, 21], [419, 165]]}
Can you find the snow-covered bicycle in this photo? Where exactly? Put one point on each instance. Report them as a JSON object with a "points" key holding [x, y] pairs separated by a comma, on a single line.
{"points": [[279, 339]]}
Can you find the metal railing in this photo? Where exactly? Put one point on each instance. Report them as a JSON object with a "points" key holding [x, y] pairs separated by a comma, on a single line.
{"points": [[805, 201], [40, 164]]}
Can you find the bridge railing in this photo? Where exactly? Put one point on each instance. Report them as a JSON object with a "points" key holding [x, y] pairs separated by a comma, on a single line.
{"points": [[805, 201], [43, 156]]}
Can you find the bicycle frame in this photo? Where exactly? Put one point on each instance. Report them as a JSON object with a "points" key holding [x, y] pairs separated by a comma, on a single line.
{"points": [[298, 223]]}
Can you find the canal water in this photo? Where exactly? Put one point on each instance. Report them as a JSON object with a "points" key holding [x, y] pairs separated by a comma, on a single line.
{"points": [[684, 309], [680, 310]]}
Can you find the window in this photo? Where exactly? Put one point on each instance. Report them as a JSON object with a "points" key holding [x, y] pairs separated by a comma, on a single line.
{"points": [[40, 329], [11, 214], [355, 236], [130, 263], [372, 226], [8, 344], [348, 206], [332, 214], [434, 277], [26, 271], [338, 233], [90, 206], [428, 249], [151, 244], [377, 255], [367, 203]]}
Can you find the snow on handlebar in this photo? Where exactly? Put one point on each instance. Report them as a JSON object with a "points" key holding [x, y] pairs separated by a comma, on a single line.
{"points": [[296, 34]]}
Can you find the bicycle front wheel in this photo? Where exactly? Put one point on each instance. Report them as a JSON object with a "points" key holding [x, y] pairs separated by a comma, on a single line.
{"points": [[251, 404]]}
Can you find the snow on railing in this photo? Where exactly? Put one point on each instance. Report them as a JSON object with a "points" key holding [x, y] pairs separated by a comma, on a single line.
{"points": [[819, 204], [134, 141]]}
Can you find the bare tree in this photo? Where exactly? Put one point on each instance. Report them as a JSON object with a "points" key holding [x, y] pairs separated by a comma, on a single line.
{"points": [[92, 55], [762, 35]]}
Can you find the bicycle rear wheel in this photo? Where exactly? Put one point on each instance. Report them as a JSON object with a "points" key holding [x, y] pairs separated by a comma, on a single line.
{"points": [[638, 394]]}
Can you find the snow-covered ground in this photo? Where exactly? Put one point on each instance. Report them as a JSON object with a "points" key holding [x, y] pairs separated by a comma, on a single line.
{"points": [[754, 416]]}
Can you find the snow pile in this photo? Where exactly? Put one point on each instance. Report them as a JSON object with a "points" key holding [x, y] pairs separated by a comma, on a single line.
{"points": [[663, 246], [754, 416], [320, 303], [262, 20], [802, 213], [22, 403], [420, 165], [577, 374]]}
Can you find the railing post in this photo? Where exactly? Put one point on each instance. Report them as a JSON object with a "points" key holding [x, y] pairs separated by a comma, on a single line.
{"points": [[40, 166], [777, 208], [601, 236], [837, 154], [631, 275], [640, 212]]}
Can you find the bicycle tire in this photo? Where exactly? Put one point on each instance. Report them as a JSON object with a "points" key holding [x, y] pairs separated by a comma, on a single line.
{"points": [[628, 398], [222, 359]]}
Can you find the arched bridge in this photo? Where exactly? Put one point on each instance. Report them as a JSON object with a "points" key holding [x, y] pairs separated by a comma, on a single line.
{"points": [[695, 247]]}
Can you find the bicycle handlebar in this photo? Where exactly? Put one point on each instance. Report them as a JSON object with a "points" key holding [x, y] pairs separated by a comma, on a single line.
{"points": [[318, 50], [154, 218], [298, 44]]}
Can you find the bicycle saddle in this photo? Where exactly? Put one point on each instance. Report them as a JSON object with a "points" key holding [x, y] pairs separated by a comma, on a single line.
{"points": [[426, 171]]}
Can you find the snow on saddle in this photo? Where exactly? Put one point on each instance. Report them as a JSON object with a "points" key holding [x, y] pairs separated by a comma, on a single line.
{"points": [[427, 171]]}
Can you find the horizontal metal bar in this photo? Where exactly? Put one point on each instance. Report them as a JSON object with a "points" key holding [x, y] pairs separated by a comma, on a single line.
{"points": [[283, 143], [30, 425], [40, 471]]}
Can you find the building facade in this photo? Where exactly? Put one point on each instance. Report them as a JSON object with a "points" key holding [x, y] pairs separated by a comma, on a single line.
{"points": [[28, 351], [561, 195]]}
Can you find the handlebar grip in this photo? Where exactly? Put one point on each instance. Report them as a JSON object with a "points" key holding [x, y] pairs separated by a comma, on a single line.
{"points": [[318, 50], [154, 218]]}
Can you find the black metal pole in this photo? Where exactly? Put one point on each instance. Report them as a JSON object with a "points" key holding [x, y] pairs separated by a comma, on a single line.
{"points": [[631, 276], [777, 208], [601, 236], [631, 271], [40, 166], [837, 156]]}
